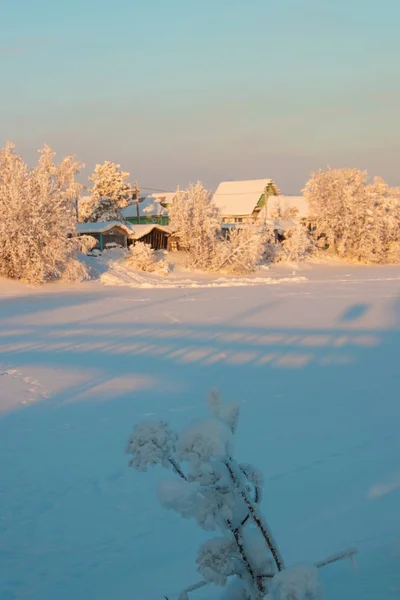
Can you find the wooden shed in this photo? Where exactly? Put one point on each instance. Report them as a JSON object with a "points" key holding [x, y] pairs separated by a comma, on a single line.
{"points": [[155, 236], [107, 233]]}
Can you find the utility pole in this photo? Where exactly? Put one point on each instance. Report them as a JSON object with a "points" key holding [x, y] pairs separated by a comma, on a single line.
{"points": [[136, 191]]}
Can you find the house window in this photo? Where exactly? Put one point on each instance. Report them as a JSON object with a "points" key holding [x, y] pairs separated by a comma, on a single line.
{"points": [[238, 220]]}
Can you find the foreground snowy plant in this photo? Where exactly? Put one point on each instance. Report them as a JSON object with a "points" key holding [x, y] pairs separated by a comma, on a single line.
{"points": [[222, 495]]}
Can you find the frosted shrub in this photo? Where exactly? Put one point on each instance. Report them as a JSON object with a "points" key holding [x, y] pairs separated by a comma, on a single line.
{"points": [[297, 245], [241, 252], [143, 258], [220, 494], [38, 216], [87, 243]]}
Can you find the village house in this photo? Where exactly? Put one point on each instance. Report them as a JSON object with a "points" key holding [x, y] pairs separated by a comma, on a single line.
{"points": [[151, 209], [243, 201]]}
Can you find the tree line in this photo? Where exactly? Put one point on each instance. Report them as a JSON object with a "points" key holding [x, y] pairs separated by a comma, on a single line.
{"points": [[348, 217]]}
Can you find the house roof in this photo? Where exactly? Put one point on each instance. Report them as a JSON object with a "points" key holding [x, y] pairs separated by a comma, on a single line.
{"points": [[140, 231], [282, 203], [152, 205], [240, 197], [102, 227]]}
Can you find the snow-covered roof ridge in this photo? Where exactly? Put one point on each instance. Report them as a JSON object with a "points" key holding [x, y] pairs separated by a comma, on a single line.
{"points": [[241, 197], [102, 227], [139, 231]]}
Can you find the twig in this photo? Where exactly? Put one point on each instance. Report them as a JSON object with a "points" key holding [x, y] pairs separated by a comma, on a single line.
{"points": [[177, 468], [257, 519], [336, 557]]}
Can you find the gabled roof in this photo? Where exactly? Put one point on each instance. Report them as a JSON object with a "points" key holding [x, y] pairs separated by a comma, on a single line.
{"points": [[241, 197], [102, 227], [139, 231]]}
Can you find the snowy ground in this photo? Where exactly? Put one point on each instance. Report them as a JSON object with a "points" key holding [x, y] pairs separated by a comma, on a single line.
{"points": [[314, 362]]}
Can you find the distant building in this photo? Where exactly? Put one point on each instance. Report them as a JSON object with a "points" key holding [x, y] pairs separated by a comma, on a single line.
{"points": [[107, 233], [111, 233], [152, 209], [243, 201]]}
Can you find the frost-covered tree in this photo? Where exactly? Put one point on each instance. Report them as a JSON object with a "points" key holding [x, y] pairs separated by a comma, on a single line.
{"points": [[110, 186], [223, 496], [38, 216], [105, 209], [336, 199], [196, 221], [194, 218], [358, 221], [142, 257]]}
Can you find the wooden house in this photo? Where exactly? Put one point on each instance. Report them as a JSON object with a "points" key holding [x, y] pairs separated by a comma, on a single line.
{"points": [[243, 201]]}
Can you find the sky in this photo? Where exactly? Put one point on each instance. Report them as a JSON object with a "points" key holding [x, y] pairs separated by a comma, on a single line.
{"points": [[183, 90]]}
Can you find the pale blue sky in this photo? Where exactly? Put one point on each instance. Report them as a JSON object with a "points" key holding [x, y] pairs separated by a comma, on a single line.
{"points": [[180, 90]]}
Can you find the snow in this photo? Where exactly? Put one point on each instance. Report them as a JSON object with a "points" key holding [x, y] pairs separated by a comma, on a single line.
{"points": [[139, 231], [314, 366], [239, 197], [118, 274], [297, 583], [102, 227]]}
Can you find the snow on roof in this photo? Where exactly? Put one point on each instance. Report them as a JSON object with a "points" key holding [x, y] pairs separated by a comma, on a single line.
{"points": [[102, 227], [282, 203], [240, 197], [150, 206], [140, 231]]}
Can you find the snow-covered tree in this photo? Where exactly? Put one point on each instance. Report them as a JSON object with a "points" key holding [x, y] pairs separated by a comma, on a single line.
{"points": [[110, 193], [336, 199], [110, 182], [222, 495], [195, 220], [38, 216], [358, 221], [105, 209], [142, 257]]}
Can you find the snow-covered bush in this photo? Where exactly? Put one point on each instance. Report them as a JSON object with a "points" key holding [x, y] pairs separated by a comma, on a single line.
{"points": [[142, 257], [87, 243], [241, 251], [297, 244], [37, 218], [220, 494]]}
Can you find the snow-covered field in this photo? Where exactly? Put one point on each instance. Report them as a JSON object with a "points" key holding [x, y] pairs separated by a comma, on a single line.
{"points": [[315, 364]]}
